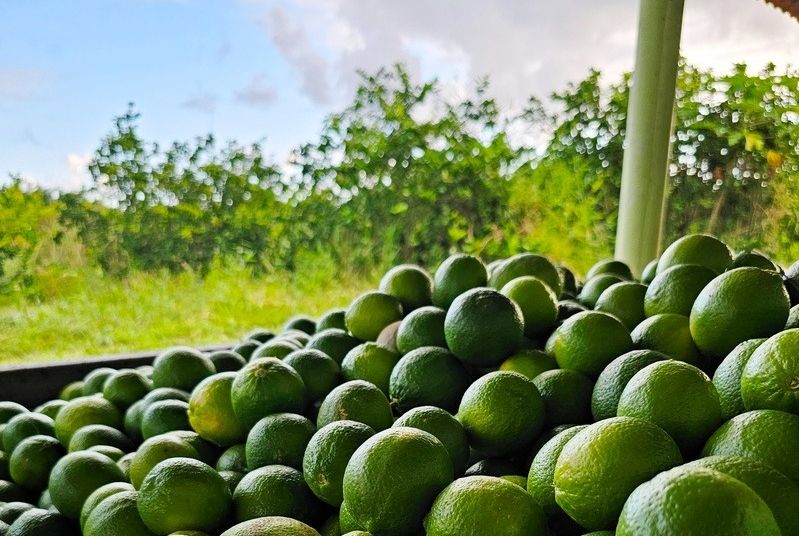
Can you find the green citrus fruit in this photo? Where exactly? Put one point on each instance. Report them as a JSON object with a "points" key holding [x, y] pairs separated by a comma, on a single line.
{"points": [[319, 373], [754, 258], [370, 362], [76, 476], [588, 341], [302, 323], [356, 401], [526, 264], [481, 505], [33, 459], [669, 334], [23, 426], [613, 379], [334, 342], [169, 493], [445, 428], [154, 451], [271, 526], [502, 413], [233, 459], [38, 521], [770, 378], [266, 386], [701, 249], [125, 387], [370, 312], [650, 271], [727, 378], [676, 396], [327, 455], [211, 412], [767, 435], [625, 301], [422, 327], [278, 439], [99, 495], [227, 361], [275, 490], [165, 416], [51, 408], [334, 318], [674, 290], [181, 368], [94, 381], [531, 363], [96, 435], [594, 287], [541, 477], [393, 478], [410, 284], [603, 463], [742, 304], [566, 395], [428, 376], [695, 502], [83, 411], [71, 390], [277, 348], [537, 302], [457, 274], [118, 514], [483, 327]]}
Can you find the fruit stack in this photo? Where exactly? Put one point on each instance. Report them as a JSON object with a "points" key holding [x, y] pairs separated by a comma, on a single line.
{"points": [[498, 400]]}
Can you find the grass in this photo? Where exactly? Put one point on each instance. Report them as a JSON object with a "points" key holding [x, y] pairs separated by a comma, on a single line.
{"points": [[100, 316]]}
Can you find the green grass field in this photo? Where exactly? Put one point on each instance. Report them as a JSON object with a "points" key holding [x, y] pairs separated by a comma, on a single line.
{"points": [[100, 316]]}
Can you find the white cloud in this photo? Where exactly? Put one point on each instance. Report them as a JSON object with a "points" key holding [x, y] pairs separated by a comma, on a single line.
{"points": [[78, 172], [525, 47], [258, 93], [202, 102]]}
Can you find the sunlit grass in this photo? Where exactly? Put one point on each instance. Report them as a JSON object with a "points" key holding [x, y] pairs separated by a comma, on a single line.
{"points": [[103, 315]]}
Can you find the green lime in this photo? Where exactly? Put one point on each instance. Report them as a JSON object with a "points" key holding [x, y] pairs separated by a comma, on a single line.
{"points": [[334, 318], [537, 302], [625, 301], [483, 327], [125, 387], [541, 477], [742, 304], [669, 334], [10, 511], [165, 416], [266, 386], [445, 428], [51, 408], [594, 287], [276, 348], [428, 376], [695, 501], [233, 459], [118, 514], [83, 411], [457, 274], [275, 490], [531, 363], [208, 452], [766, 435], [302, 323], [755, 259], [481, 505], [71, 391], [568, 280], [356, 401], [98, 434], [25, 425], [770, 378], [370, 362], [278, 439], [76, 476], [603, 463], [650, 271], [777, 491], [271, 526], [727, 378], [569, 308], [526, 264], [115, 453], [99, 495], [676, 396], [154, 451], [491, 467], [38, 521], [94, 382], [169, 493], [422, 327], [793, 318], [10, 492], [319, 373], [334, 342], [327, 455], [133, 416], [370, 312], [9, 410], [245, 349], [227, 361], [259, 334], [588, 341], [613, 379], [502, 413], [674, 290], [410, 284], [566, 395], [699, 249], [393, 478], [210, 411], [181, 368], [610, 266], [33, 459]]}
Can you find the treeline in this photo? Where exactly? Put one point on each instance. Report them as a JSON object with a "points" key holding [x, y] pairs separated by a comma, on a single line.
{"points": [[403, 174]]}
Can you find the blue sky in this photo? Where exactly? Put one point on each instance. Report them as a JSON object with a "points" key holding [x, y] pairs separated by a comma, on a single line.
{"points": [[272, 69]]}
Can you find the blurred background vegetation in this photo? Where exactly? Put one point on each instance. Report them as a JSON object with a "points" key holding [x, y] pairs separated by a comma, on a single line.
{"points": [[402, 174]]}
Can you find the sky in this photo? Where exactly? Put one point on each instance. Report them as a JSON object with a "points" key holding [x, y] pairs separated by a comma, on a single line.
{"points": [[271, 70]]}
